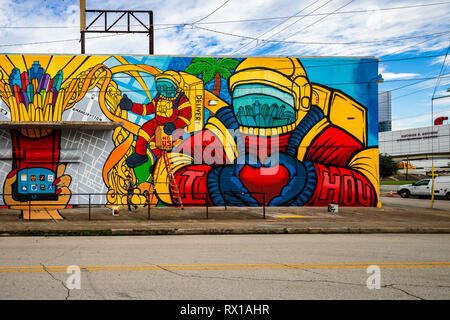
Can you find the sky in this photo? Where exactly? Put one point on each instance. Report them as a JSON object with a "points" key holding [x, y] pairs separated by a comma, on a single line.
{"points": [[411, 41]]}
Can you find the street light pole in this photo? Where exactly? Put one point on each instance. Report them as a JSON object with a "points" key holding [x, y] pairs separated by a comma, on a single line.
{"points": [[407, 166]]}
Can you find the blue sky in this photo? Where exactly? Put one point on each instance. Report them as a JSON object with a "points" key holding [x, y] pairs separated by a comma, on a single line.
{"points": [[308, 28]]}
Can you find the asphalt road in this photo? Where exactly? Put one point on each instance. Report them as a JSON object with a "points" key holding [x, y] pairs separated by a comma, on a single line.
{"points": [[227, 267], [415, 202]]}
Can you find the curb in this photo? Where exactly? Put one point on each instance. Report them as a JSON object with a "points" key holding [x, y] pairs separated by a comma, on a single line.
{"points": [[174, 231]]}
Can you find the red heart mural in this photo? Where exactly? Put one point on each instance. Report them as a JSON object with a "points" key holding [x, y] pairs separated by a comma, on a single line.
{"points": [[268, 180]]}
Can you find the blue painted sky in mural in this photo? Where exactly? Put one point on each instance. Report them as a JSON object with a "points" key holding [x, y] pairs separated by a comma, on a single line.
{"points": [[355, 77]]}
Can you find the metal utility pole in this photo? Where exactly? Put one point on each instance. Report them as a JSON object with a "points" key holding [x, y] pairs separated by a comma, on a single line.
{"points": [[130, 16], [83, 24]]}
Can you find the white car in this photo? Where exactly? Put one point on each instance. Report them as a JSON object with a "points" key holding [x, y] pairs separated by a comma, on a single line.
{"points": [[423, 188]]}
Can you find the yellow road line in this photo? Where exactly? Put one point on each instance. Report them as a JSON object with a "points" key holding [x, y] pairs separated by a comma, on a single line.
{"points": [[240, 264], [290, 216], [346, 265]]}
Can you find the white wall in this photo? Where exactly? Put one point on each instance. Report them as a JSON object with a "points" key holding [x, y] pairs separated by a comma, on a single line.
{"points": [[424, 140]]}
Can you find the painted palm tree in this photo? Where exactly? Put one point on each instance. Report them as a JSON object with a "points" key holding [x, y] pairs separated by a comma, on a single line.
{"points": [[211, 68]]}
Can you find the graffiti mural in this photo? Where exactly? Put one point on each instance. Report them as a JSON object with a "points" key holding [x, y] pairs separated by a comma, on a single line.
{"points": [[245, 131], [33, 94]]}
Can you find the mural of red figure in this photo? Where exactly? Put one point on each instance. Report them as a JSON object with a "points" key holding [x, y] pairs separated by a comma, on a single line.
{"points": [[172, 111], [322, 156]]}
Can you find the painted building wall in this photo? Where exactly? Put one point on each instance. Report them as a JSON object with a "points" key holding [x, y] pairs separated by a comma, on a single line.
{"points": [[301, 131], [416, 142]]}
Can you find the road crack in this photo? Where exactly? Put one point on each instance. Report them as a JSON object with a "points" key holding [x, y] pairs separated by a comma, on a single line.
{"points": [[388, 286], [303, 269], [257, 279], [62, 282], [192, 275], [402, 290]]}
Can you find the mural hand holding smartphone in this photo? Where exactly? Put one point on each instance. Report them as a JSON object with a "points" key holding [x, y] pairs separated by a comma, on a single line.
{"points": [[61, 183]]}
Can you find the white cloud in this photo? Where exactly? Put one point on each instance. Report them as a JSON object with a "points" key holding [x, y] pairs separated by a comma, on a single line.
{"points": [[394, 24], [418, 121], [395, 76], [442, 102], [439, 60], [334, 28]]}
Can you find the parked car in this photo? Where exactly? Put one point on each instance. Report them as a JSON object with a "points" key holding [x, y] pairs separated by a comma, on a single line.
{"points": [[423, 188]]}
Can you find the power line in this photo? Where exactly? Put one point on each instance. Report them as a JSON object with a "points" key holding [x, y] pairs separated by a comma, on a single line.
{"points": [[246, 45], [323, 43], [392, 80], [411, 116], [309, 15], [408, 94], [214, 11], [440, 72], [63, 40], [334, 13], [298, 20], [376, 61], [331, 65], [414, 45], [432, 123], [411, 84], [252, 38], [53, 41], [404, 49], [432, 116], [266, 40], [317, 21], [246, 20]]}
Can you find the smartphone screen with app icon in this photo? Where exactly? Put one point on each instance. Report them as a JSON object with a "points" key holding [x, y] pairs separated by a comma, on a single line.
{"points": [[36, 184]]}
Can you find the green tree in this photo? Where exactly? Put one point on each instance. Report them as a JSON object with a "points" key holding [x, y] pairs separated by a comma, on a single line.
{"points": [[211, 68], [388, 166]]}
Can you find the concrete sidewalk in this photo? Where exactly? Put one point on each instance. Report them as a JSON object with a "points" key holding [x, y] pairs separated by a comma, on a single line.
{"points": [[391, 218]]}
